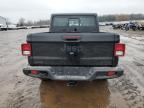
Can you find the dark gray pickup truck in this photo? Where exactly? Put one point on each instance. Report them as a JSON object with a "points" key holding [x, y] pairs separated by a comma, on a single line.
{"points": [[73, 50]]}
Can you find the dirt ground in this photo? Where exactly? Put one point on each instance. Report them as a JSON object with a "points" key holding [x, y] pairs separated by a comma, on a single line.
{"points": [[20, 91]]}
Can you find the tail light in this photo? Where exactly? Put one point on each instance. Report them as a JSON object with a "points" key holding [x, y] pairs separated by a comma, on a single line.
{"points": [[34, 72], [111, 73], [119, 49], [26, 49]]}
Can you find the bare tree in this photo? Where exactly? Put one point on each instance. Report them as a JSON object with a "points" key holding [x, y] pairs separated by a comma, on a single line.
{"points": [[21, 22], [8, 21], [29, 23], [122, 17]]}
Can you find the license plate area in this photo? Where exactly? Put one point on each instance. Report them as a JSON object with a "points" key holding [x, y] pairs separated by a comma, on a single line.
{"points": [[72, 71]]}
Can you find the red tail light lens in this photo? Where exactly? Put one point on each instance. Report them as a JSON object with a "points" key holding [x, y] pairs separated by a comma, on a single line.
{"points": [[111, 73], [34, 72], [26, 49], [119, 49]]}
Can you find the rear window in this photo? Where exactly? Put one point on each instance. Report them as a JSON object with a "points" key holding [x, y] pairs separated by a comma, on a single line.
{"points": [[81, 21]]}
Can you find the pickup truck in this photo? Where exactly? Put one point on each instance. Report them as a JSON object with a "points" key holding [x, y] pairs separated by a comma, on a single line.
{"points": [[73, 50]]}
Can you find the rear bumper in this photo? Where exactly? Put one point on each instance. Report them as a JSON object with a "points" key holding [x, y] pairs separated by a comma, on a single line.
{"points": [[73, 73]]}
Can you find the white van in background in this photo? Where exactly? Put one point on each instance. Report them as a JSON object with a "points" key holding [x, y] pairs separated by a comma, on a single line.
{"points": [[3, 23], [3, 27]]}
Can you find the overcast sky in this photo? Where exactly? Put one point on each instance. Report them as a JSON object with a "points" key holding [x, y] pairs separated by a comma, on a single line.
{"points": [[41, 9]]}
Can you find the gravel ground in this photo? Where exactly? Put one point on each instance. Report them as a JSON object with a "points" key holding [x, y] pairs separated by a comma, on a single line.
{"points": [[20, 91]]}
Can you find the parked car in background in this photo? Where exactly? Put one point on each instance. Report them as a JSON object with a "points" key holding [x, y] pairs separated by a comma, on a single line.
{"points": [[12, 27], [128, 26]]}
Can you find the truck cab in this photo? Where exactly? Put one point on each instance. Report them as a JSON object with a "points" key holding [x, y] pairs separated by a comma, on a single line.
{"points": [[82, 23]]}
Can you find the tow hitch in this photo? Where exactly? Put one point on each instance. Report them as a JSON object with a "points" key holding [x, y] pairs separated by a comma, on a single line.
{"points": [[72, 83]]}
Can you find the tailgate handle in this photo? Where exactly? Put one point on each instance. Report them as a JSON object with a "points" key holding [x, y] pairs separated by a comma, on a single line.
{"points": [[71, 38]]}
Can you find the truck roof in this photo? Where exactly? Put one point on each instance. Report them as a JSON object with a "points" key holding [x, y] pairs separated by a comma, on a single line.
{"points": [[63, 14]]}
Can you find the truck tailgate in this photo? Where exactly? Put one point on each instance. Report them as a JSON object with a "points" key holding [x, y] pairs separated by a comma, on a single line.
{"points": [[73, 49]]}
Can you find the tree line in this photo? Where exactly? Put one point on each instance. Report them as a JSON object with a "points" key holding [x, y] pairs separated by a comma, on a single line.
{"points": [[121, 17], [23, 22], [103, 18]]}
